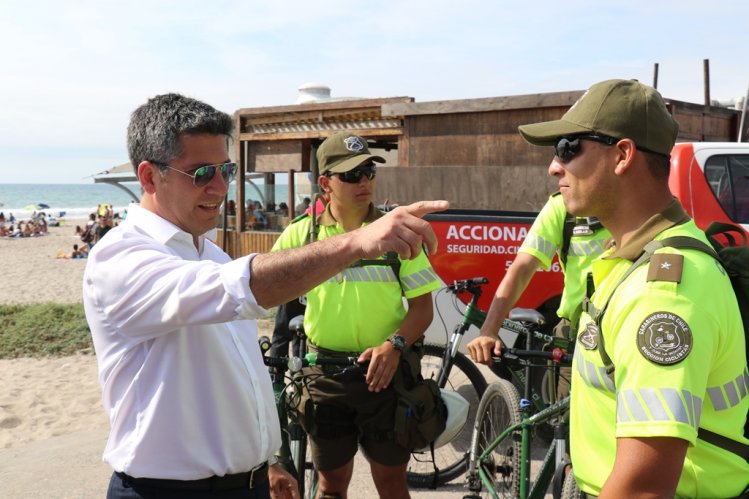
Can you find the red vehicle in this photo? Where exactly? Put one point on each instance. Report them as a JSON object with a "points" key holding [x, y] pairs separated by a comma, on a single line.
{"points": [[711, 179]]}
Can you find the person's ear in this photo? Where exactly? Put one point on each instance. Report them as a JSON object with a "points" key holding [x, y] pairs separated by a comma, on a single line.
{"points": [[324, 182], [147, 172], [625, 154]]}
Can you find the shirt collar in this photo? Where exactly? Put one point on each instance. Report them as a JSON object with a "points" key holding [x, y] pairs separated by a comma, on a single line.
{"points": [[326, 218], [161, 229], [673, 215]]}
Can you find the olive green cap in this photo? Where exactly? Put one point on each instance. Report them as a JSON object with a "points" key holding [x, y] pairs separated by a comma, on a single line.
{"points": [[623, 109], [342, 152]]}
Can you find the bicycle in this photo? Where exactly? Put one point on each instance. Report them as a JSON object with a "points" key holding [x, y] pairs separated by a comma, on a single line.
{"points": [[452, 370], [501, 443], [293, 454]]}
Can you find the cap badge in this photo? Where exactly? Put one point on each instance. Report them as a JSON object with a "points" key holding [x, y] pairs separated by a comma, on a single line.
{"points": [[354, 144]]}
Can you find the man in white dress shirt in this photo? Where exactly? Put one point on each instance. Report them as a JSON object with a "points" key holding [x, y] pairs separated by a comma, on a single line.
{"points": [[172, 316]]}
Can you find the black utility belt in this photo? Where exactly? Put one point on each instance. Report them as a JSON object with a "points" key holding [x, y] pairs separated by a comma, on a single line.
{"points": [[247, 481]]}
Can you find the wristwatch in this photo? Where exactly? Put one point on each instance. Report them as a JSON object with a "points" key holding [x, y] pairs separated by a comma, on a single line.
{"points": [[398, 341], [273, 459]]}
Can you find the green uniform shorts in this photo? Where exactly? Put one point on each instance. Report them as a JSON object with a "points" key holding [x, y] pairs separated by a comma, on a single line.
{"points": [[346, 415]]}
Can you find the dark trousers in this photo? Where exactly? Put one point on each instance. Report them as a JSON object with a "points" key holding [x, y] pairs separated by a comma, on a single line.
{"points": [[119, 490], [282, 336]]}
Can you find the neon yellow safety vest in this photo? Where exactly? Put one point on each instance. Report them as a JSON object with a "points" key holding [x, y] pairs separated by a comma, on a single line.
{"points": [[545, 238], [674, 332], [360, 307]]}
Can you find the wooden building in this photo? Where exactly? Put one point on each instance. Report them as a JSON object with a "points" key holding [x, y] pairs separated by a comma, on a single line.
{"points": [[467, 151]]}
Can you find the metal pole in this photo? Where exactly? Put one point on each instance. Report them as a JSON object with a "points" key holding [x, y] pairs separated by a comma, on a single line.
{"points": [[743, 116], [706, 71], [655, 76]]}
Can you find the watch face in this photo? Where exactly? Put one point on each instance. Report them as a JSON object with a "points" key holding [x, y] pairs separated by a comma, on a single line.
{"points": [[398, 342]]}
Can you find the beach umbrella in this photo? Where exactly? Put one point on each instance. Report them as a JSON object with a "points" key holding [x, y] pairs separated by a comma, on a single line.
{"points": [[32, 207], [43, 206]]}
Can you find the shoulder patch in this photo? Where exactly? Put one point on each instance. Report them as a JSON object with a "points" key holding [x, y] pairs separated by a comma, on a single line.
{"points": [[589, 337], [664, 338], [665, 267]]}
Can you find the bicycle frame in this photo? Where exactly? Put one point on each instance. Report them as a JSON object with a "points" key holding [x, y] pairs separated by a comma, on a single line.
{"points": [[538, 489], [472, 316]]}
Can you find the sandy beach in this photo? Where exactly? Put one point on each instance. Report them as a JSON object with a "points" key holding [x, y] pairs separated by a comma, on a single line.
{"points": [[52, 425]]}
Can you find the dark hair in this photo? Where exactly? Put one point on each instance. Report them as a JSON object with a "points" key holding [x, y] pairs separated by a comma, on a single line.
{"points": [[659, 165], [155, 127]]}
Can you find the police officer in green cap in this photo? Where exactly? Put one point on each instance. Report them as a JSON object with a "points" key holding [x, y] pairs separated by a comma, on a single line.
{"points": [[670, 330]]}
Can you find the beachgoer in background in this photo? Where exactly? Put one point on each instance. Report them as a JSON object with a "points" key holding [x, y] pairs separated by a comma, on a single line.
{"points": [[89, 232], [302, 207], [105, 210], [283, 210], [41, 224], [104, 225], [172, 316], [3, 229], [261, 221], [77, 253]]}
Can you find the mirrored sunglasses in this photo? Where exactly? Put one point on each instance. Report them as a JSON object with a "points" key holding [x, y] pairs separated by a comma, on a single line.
{"points": [[203, 175], [354, 176], [568, 147]]}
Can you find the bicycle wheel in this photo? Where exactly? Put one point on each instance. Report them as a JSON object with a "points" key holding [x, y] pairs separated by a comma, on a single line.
{"points": [[451, 459], [305, 471], [499, 408], [299, 455], [570, 490]]}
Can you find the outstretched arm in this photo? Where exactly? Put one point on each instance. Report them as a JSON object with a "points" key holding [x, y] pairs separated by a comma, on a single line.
{"points": [[278, 277]]}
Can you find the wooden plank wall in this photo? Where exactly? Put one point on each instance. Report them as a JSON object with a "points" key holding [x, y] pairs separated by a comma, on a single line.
{"points": [[700, 123], [518, 188], [249, 242]]}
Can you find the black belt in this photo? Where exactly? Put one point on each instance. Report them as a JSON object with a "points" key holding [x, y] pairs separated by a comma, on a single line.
{"points": [[246, 480]]}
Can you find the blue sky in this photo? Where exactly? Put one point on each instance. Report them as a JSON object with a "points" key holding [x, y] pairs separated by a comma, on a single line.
{"points": [[71, 72]]}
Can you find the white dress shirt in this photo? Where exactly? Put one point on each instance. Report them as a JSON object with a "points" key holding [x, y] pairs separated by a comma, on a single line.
{"points": [[181, 374]]}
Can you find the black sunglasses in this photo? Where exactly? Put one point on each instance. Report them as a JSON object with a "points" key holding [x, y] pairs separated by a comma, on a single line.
{"points": [[567, 147], [203, 175], [354, 176]]}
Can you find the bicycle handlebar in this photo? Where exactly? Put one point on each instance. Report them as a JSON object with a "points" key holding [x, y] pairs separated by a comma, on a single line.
{"points": [[472, 285], [556, 355], [295, 364]]}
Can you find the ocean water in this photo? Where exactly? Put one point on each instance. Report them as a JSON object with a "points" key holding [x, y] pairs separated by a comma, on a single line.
{"points": [[77, 201]]}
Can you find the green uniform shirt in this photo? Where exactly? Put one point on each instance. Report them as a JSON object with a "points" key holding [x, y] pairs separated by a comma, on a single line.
{"points": [[361, 306], [545, 238], [678, 348]]}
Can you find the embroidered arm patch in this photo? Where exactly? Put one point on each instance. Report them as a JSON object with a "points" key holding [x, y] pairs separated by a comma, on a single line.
{"points": [[664, 338]]}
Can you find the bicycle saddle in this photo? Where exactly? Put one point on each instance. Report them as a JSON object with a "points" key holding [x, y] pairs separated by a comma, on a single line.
{"points": [[527, 315]]}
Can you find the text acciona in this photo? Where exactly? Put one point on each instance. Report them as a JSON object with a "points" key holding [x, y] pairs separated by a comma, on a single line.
{"points": [[487, 233]]}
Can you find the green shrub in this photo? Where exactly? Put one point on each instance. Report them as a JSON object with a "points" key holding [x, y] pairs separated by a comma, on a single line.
{"points": [[43, 330]]}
